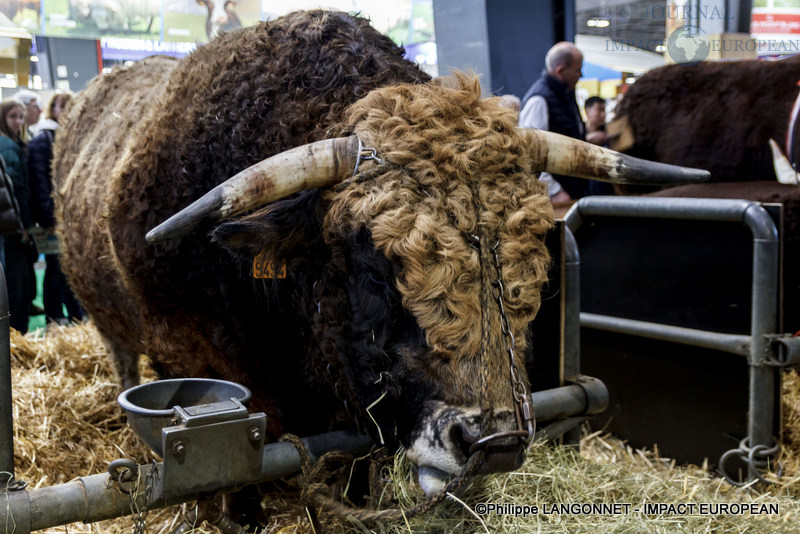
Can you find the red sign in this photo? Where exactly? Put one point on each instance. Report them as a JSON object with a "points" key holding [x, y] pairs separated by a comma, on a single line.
{"points": [[761, 23]]}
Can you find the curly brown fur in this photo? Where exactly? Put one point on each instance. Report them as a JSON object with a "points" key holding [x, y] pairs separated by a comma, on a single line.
{"points": [[443, 147], [98, 129]]}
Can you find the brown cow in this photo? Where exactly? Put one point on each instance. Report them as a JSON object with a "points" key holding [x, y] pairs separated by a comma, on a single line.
{"points": [[717, 116]]}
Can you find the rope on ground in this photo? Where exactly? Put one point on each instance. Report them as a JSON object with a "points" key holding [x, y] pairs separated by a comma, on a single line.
{"points": [[317, 493]]}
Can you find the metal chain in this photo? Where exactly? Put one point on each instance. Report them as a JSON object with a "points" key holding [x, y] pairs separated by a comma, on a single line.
{"points": [[140, 513], [524, 407], [755, 458]]}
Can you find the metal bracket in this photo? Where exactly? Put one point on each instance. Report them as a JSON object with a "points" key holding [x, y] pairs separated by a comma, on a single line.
{"points": [[214, 446], [785, 351]]}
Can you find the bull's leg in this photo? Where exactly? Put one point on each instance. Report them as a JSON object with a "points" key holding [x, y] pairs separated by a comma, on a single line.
{"points": [[126, 362]]}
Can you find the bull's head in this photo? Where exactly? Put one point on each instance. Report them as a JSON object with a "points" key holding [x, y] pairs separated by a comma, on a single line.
{"points": [[448, 209]]}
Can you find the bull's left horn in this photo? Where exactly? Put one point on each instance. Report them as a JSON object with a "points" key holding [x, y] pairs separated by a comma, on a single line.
{"points": [[559, 154], [305, 167]]}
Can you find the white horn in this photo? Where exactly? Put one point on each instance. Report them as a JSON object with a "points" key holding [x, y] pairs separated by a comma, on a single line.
{"points": [[559, 154], [783, 169], [305, 167]]}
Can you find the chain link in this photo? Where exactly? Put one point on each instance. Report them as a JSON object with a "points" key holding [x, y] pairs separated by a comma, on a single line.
{"points": [[366, 153], [524, 407], [140, 513], [755, 458]]}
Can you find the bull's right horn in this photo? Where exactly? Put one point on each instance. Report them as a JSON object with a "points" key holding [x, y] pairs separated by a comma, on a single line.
{"points": [[305, 167], [559, 154], [783, 169]]}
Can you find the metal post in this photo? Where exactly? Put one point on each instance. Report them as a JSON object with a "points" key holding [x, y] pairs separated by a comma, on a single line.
{"points": [[572, 307], [764, 321], [572, 320], [6, 418]]}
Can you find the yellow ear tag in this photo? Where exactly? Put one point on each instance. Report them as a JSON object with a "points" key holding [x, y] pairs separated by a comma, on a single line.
{"points": [[265, 267]]}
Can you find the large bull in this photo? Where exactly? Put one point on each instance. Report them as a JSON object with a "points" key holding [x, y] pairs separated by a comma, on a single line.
{"points": [[388, 211], [717, 116]]}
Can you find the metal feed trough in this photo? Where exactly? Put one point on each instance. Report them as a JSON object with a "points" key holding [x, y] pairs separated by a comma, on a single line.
{"points": [[210, 443]]}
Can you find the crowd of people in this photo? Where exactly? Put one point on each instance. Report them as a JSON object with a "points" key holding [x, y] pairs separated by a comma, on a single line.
{"points": [[26, 205]]}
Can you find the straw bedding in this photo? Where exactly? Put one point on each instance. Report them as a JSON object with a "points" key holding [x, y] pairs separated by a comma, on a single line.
{"points": [[67, 424]]}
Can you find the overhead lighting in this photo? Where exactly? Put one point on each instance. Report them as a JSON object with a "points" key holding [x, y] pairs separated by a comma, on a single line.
{"points": [[630, 80], [661, 48], [597, 23], [34, 59]]}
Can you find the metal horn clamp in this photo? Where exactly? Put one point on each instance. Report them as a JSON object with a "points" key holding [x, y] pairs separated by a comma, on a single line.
{"points": [[366, 153]]}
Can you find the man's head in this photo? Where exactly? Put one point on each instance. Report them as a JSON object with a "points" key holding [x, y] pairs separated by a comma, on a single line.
{"points": [[595, 108], [33, 105], [564, 62]]}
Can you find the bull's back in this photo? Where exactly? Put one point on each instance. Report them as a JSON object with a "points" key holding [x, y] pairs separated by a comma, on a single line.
{"points": [[95, 135]]}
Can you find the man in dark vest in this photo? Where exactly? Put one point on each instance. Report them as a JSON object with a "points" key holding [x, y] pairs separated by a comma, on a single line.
{"points": [[550, 105]]}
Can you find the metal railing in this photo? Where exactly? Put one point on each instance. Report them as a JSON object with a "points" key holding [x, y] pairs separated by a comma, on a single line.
{"points": [[758, 345]]}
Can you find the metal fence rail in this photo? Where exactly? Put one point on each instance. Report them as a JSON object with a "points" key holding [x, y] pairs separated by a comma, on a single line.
{"points": [[757, 345]]}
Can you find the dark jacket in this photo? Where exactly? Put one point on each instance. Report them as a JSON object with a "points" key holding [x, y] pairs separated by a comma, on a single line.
{"points": [[14, 154], [10, 220], [40, 153], [563, 113], [564, 117]]}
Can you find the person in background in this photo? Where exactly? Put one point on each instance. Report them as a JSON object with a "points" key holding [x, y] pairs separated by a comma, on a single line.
{"points": [[595, 109], [33, 111], [231, 19], [17, 247], [550, 105], [56, 291]]}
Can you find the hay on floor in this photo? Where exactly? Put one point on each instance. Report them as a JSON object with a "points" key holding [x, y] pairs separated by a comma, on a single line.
{"points": [[68, 424]]}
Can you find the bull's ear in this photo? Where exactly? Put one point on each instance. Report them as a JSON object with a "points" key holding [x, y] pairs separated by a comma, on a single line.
{"points": [[285, 228]]}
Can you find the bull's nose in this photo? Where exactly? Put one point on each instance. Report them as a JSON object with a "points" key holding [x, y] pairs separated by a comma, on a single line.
{"points": [[503, 452]]}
